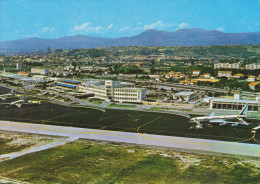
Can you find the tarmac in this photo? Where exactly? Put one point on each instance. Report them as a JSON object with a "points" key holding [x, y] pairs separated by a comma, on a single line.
{"points": [[139, 138]]}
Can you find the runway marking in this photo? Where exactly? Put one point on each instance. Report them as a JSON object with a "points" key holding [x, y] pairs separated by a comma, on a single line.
{"points": [[134, 137], [42, 124], [253, 137]]}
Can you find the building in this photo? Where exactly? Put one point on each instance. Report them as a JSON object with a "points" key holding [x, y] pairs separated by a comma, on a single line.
{"points": [[239, 75], [19, 66], [68, 84], [117, 91], [22, 73], [185, 96], [196, 72], [251, 78], [224, 73], [253, 66], [234, 104], [189, 82], [227, 65], [254, 85], [207, 75], [40, 71], [158, 78], [258, 78]]}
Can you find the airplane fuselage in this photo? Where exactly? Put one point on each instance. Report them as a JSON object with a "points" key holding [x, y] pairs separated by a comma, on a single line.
{"points": [[208, 118]]}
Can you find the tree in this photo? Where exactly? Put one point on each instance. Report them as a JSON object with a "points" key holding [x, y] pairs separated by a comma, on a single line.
{"points": [[48, 50], [152, 70]]}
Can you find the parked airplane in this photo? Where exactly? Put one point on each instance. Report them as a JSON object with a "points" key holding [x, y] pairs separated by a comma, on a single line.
{"points": [[221, 120]]}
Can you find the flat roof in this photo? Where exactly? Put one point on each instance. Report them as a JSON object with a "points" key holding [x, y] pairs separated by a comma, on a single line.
{"points": [[234, 100], [70, 81], [185, 93], [22, 78]]}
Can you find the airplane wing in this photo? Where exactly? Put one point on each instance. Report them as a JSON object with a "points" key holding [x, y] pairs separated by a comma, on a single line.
{"points": [[212, 114], [221, 122]]}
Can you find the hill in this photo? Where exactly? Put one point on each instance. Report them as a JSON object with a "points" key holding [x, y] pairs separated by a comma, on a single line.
{"points": [[151, 37]]}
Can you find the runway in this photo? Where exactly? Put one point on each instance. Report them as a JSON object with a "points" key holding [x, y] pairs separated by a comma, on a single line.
{"points": [[136, 138]]}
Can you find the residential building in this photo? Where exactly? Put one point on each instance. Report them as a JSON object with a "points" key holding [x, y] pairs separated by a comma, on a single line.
{"points": [[227, 65], [239, 75], [251, 78], [158, 78], [207, 75], [254, 85], [196, 72], [224, 73], [253, 66]]}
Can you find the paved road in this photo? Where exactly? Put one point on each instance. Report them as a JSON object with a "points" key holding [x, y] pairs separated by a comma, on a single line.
{"points": [[136, 138]]}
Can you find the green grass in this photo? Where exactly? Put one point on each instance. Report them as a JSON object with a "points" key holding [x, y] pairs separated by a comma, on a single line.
{"points": [[123, 106], [82, 162], [97, 103], [7, 148], [156, 108], [188, 110]]}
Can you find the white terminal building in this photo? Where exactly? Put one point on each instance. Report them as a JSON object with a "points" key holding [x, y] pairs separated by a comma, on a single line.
{"points": [[110, 90], [234, 104]]}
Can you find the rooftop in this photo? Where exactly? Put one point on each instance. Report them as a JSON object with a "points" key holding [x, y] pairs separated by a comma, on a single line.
{"points": [[234, 100], [254, 84], [184, 93]]}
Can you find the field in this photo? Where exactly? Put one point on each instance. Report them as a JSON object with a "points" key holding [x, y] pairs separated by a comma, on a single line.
{"points": [[97, 162], [124, 120], [14, 142], [123, 106]]}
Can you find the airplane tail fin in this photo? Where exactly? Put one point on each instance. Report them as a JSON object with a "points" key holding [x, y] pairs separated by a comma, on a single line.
{"points": [[244, 110]]}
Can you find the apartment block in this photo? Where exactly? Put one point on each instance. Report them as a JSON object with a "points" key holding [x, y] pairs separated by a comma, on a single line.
{"points": [[227, 65]]}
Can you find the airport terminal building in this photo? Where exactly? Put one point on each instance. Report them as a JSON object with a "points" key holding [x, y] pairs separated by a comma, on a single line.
{"points": [[110, 90], [234, 104]]}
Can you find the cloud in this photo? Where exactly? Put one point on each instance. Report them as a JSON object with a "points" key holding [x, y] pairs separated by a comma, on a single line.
{"points": [[183, 25], [86, 27], [158, 24], [109, 26], [220, 29], [82, 27], [127, 28], [47, 29]]}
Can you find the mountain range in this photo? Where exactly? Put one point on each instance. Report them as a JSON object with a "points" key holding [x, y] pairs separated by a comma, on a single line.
{"points": [[151, 37]]}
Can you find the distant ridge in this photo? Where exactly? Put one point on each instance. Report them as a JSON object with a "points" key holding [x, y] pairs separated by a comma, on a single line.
{"points": [[151, 37]]}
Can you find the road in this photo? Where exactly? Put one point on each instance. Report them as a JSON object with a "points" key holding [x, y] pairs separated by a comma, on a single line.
{"points": [[180, 86], [136, 138]]}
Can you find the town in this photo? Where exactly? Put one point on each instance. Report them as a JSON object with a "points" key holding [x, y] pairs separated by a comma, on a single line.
{"points": [[158, 81]]}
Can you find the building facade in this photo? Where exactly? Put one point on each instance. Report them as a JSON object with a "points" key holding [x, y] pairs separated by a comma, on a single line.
{"points": [[234, 104], [227, 65], [117, 91], [40, 71], [224, 73], [253, 66]]}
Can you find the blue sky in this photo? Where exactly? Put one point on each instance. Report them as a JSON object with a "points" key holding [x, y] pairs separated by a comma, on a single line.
{"points": [[117, 18]]}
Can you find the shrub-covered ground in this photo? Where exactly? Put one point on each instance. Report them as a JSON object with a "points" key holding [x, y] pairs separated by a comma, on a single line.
{"points": [[92, 162]]}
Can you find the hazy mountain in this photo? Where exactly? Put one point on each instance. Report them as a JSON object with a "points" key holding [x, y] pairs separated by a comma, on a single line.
{"points": [[181, 37]]}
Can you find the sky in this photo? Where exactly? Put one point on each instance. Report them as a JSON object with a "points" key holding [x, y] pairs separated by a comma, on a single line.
{"points": [[117, 18]]}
